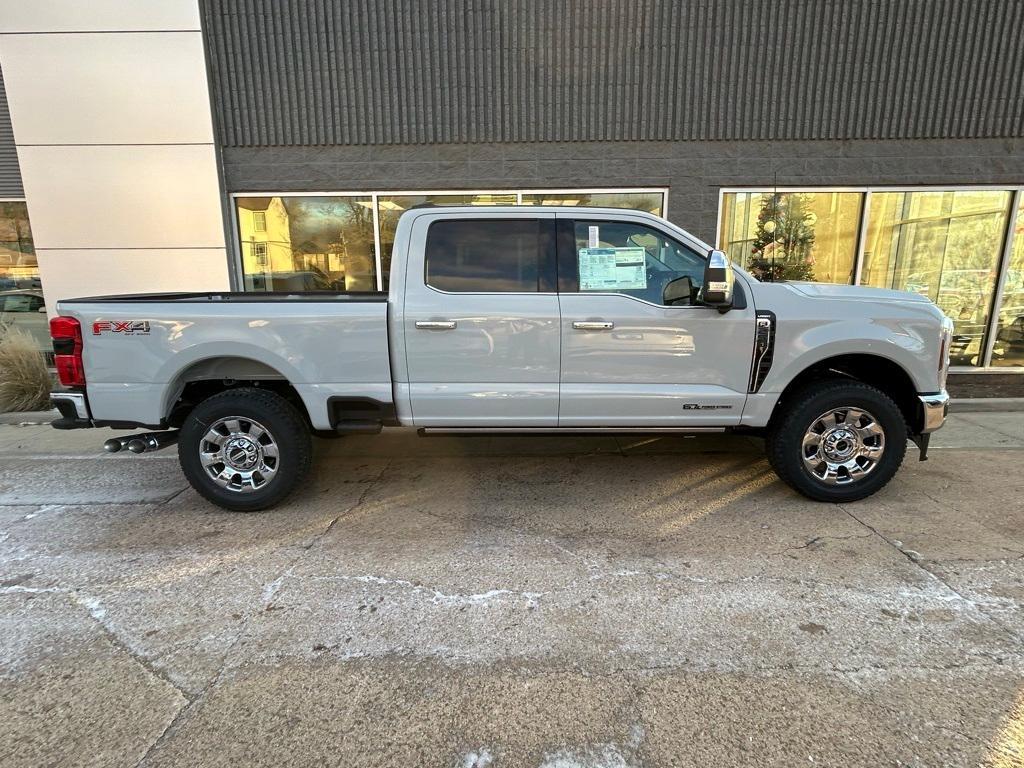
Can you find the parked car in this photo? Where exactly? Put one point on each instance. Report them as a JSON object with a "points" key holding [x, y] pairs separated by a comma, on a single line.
{"points": [[26, 311], [541, 320]]}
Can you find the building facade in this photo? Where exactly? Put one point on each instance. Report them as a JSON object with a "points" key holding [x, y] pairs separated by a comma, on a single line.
{"points": [[268, 145]]}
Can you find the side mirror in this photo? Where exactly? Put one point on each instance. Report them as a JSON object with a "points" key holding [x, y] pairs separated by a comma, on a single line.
{"points": [[42, 309], [718, 282], [678, 291]]}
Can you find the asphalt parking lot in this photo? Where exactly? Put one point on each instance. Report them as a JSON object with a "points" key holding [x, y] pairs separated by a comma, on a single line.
{"points": [[513, 601]]}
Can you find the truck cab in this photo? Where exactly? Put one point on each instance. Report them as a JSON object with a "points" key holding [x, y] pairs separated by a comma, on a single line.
{"points": [[525, 319]]}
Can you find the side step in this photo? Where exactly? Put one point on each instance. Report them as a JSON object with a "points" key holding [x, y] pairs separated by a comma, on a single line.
{"points": [[485, 431]]}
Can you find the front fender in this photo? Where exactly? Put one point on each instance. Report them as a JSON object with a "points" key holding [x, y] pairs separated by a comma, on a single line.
{"points": [[803, 344]]}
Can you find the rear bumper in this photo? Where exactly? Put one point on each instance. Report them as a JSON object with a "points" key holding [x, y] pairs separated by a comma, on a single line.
{"points": [[934, 410], [74, 410]]}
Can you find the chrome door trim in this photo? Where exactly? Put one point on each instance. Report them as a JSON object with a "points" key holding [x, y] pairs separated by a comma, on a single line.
{"points": [[436, 325], [596, 325]]}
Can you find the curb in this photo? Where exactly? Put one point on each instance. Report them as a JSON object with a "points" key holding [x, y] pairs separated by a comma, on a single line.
{"points": [[986, 404], [29, 418]]}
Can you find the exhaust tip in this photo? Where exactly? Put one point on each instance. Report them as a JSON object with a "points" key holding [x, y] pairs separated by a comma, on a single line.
{"points": [[137, 446], [113, 445]]}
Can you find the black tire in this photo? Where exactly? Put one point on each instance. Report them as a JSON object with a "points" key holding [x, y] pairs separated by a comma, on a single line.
{"points": [[785, 441], [270, 478]]}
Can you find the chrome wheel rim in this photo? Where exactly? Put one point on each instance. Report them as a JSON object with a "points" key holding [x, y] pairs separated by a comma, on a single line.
{"points": [[239, 454], [843, 445]]}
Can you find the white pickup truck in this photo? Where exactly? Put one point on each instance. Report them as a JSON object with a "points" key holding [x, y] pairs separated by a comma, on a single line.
{"points": [[511, 319]]}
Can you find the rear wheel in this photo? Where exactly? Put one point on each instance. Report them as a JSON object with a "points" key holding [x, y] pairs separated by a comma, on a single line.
{"points": [[244, 449], [838, 441]]}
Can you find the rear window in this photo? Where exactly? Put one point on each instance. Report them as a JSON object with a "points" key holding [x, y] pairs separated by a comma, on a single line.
{"points": [[484, 255]]}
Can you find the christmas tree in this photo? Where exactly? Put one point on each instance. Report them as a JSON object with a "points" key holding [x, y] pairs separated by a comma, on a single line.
{"points": [[783, 248]]}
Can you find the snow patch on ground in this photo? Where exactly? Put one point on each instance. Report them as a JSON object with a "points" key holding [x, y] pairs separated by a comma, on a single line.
{"points": [[600, 756], [442, 598], [478, 759]]}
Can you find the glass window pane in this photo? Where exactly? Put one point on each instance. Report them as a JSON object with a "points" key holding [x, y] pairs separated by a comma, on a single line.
{"points": [[21, 292], [307, 243], [391, 207], [620, 257], [484, 256], [793, 235], [18, 266], [652, 202], [1008, 348], [944, 245]]}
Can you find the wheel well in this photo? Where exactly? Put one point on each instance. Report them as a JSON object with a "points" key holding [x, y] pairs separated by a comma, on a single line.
{"points": [[879, 372], [210, 377]]}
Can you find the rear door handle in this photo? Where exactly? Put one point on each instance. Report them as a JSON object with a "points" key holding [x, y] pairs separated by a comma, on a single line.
{"points": [[436, 325], [597, 325]]}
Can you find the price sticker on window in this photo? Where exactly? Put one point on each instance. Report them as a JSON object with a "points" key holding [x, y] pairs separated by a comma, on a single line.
{"points": [[612, 269]]}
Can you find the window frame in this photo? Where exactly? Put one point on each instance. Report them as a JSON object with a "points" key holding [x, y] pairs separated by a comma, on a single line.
{"points": [[547, 269], [1002, 263]]}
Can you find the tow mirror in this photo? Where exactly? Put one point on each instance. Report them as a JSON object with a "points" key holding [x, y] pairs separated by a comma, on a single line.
{"points": [[718, 281]]}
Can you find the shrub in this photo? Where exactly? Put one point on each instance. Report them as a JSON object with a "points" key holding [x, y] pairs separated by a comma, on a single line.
{"points": [[25, 382]]}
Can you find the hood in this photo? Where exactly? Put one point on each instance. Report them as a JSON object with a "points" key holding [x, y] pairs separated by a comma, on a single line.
{"points": [[831, 291]]}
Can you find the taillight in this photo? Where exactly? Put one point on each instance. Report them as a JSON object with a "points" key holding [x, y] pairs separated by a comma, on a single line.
{"points": [[67, 351]]}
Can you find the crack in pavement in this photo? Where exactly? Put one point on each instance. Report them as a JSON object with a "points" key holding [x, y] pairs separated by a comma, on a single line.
{"points": [[978, 605], [193, 703]]}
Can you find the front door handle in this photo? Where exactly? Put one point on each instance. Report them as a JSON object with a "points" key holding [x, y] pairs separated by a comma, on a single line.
{"points": [[436, 325], [596, 325]]}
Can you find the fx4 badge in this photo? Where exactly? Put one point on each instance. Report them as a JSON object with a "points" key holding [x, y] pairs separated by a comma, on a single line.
{"points": [[127, 327], [699, 407]]}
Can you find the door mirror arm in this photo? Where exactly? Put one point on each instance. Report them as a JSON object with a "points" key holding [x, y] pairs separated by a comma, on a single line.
{"points": [[719, 280]]}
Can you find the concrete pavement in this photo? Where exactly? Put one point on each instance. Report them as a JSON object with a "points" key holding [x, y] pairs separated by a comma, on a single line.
{"points": [[513, 601]]}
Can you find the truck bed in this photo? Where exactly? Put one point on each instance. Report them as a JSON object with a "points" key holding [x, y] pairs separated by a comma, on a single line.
{"points": [[138, 350]]}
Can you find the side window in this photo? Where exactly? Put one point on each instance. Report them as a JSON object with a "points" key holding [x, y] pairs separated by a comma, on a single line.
{"points": [[18, 303], [485, 255], [621, 257]]}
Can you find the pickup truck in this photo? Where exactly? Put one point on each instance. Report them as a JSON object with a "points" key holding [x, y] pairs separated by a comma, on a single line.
{"points": [[513, 319]]}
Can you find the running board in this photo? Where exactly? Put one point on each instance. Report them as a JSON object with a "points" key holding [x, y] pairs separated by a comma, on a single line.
{"points": [[484, 431]]}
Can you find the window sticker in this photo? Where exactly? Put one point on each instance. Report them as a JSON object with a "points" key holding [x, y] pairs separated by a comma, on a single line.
{"points": [[612, 269]]}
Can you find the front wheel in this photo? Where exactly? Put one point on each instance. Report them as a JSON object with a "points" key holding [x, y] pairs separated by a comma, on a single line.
{"points": [[838, 441], [244, 449]]}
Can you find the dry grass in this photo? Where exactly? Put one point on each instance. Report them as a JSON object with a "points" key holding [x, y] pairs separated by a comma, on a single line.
{"points": [[25, 382]]}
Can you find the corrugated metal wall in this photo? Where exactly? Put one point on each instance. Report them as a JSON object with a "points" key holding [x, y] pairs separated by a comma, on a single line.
{"points": [[323, 72], [10, 175]]}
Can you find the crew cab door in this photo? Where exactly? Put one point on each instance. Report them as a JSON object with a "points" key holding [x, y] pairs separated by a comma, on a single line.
{"points": [[481, 320], [634, 354]]}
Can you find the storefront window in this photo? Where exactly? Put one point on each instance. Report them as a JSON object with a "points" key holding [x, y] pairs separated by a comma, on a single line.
{"points": [[793, 235], [21, 292], [1008, 348], [944, 245], [327, 242], [391, 207], [307, 243]]}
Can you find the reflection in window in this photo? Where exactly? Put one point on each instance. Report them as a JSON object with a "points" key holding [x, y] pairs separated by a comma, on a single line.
{"points": [[1008, 348], [18, 266], [793, 235], [637, 201], [21, 292], [944, 245], [391, 207], [307, 243]]}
